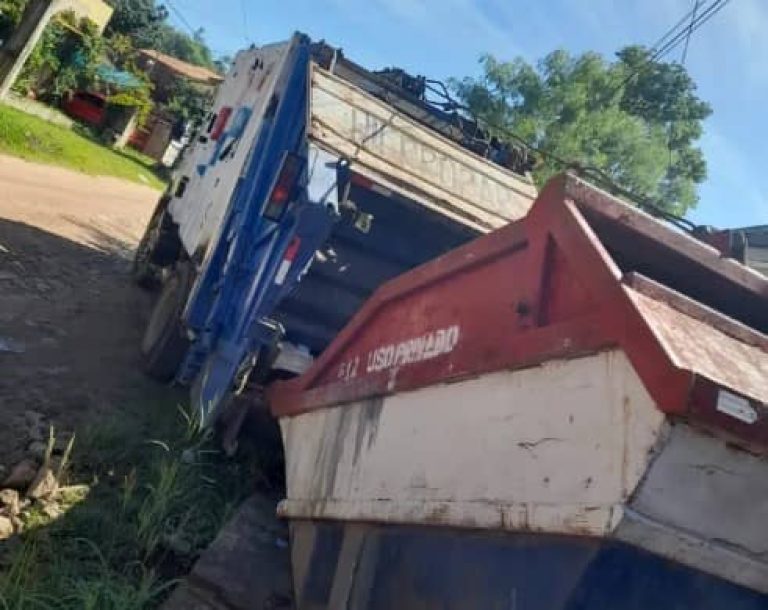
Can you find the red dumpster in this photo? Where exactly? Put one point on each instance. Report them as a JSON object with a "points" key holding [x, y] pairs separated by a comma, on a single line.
{"points": [[566, 413]]}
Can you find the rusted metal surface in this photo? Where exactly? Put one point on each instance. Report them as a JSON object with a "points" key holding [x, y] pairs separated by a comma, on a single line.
{"points": [[733, 328], [396, 151], [555, 284], [704, 349]]}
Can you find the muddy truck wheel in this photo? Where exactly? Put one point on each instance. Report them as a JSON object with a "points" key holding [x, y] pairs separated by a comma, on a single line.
{"points": [[165, 341], [159, 247]]}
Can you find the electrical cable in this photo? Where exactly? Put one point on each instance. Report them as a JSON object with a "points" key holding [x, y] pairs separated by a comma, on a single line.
{"points": [[690, 31], [658, 51], [698, 22]]}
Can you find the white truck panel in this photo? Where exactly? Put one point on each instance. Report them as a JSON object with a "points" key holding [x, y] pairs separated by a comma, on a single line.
{"points": [[393, 149], [249, 84]]}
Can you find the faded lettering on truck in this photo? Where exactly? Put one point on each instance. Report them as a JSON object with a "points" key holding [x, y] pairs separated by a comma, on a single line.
{"points": [[392, 142]]}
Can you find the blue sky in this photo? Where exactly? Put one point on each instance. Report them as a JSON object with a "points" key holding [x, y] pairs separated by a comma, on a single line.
{"points": [[728, 58]]}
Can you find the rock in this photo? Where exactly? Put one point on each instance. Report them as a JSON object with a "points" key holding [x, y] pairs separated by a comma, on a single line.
{"points": [[18, 524], [44, 485], [52, 510], [22, 474], [36, 450], [6, 528], [9, 499], [231, 557]]}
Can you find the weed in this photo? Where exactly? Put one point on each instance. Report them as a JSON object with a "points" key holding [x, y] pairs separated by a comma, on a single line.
{"points": [[125, 539]]}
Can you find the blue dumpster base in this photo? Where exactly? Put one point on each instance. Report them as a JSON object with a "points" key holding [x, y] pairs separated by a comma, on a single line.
{"points": [[388, 567]]}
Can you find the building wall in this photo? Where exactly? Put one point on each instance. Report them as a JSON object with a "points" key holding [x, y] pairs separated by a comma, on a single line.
{"points": [[97, 11]]}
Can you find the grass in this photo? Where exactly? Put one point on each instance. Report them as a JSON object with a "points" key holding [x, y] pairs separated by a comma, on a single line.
{"points": [[156, 495], [32, 138]]}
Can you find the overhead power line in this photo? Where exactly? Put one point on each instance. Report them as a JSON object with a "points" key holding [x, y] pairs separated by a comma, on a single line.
{"points": [[673, 29], [698, 21], [690, 31], [675, 36]]}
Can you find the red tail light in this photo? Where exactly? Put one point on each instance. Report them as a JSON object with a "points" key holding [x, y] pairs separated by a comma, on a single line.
{"points": [[219, 122], [284, 186]]}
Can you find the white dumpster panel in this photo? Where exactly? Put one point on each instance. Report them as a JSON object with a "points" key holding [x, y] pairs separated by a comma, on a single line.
{"points": [[557, 448]]}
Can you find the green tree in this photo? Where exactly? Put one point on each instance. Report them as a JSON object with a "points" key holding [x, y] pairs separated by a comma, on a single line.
{"points": [[191, 49], [132, 17], [65, 58], [188, 102], [122, 54], [10, 15], [635, 119], [146, 23]]}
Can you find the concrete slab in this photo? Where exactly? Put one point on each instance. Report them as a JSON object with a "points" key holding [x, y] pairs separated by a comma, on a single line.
{"points": [[246, 568]]}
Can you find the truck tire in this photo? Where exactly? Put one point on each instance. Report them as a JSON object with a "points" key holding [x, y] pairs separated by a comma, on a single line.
{"points": [[159, 247], [165, 341]]}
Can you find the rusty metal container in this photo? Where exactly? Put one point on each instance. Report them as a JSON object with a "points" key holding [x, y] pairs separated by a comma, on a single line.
{"points": [[567, 413]]}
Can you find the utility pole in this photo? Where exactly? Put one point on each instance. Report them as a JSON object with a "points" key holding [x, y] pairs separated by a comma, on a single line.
{"points": [[16, 50]]}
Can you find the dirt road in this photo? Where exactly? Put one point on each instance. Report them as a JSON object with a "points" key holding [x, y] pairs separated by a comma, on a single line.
{"points": [[70, 319]]}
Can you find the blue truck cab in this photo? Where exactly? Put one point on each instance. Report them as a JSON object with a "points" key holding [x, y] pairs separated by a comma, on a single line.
{"points": [[312, 182]]}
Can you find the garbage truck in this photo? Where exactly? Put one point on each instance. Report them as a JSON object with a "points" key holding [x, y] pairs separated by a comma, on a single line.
{"points": [[312, 182]]}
